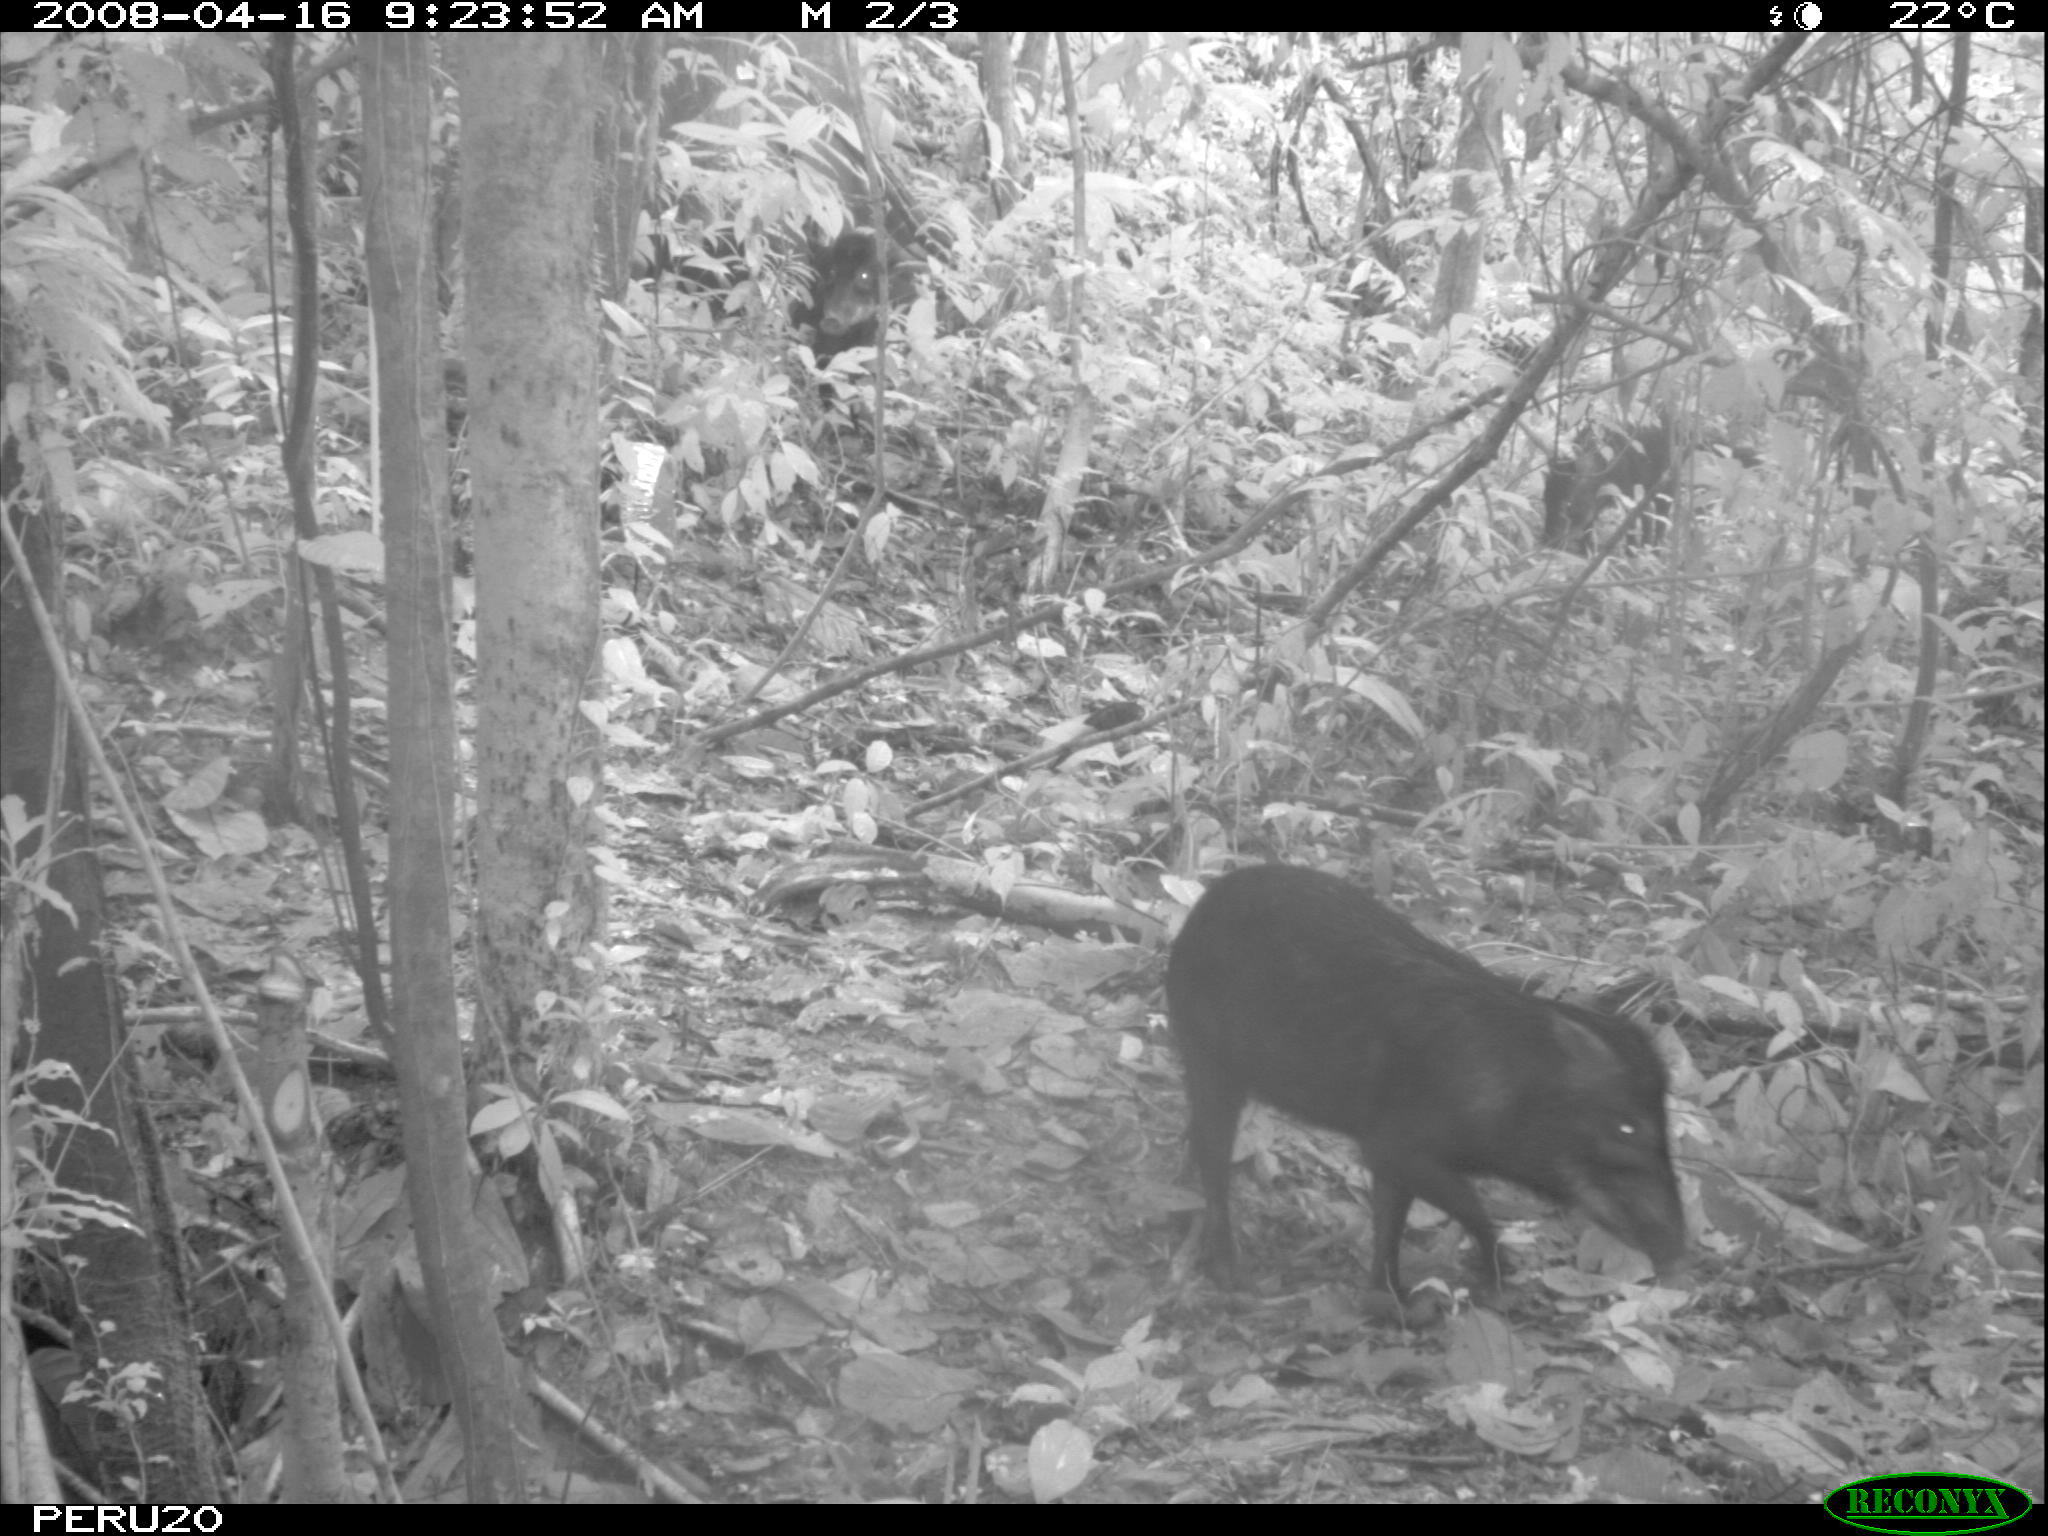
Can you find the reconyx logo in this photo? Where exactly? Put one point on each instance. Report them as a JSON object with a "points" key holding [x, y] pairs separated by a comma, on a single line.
{"points": [[1927, 1503]]}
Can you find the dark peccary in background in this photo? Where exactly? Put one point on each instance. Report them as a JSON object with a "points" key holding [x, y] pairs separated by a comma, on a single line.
{"points": [[1627, 466], [847, 295]]}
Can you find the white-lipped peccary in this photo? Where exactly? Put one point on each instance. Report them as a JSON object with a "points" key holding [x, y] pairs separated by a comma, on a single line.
{"points": [[1300, 990], [848, 293], [1372, 290], [1630, 466], [1366, 291]]}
